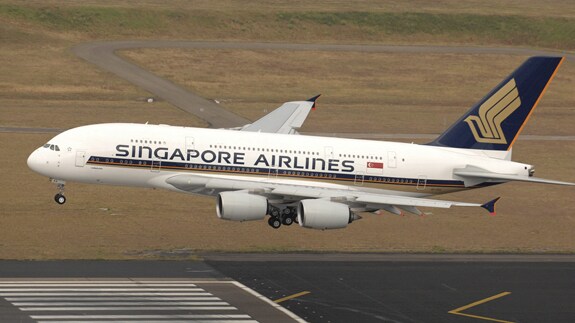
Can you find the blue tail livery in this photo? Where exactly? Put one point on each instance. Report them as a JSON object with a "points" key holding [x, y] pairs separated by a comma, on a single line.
{"points": [[496, 120]]}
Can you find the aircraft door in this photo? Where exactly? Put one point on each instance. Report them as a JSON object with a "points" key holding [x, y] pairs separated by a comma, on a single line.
{"points": [[358, 181], [273, 173], [421, 182], [190, 143], [156, 165], [80, 158], [391, 159], [328, 152]]}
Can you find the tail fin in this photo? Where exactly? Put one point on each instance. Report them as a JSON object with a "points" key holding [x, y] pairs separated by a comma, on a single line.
{"points": [[495, 122]]}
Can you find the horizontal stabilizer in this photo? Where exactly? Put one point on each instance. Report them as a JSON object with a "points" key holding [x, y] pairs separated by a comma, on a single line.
{"points": [[490, 206], [474, 175]]}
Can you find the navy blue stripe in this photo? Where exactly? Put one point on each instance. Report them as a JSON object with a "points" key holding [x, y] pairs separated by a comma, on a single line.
{"points": [[259, 171]]}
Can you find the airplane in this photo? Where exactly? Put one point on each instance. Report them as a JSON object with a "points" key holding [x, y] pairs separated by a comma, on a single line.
{"points": [[268, 169]]}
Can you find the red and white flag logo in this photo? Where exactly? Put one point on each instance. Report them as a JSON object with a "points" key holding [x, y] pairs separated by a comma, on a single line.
{"points": [[375, 165]]}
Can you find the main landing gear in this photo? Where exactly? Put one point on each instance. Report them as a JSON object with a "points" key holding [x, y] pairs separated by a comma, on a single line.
{"points": [[59, 198], [286, 216]]}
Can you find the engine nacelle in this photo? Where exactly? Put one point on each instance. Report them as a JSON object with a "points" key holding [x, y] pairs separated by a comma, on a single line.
{"points": [[238, 206], [322, 215]]}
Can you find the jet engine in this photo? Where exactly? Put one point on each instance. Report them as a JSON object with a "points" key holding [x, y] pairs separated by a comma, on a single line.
{"points": [[238, 206], [322, 215]]}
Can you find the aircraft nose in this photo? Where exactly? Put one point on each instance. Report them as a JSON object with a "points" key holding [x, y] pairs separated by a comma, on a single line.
{"points": [[36, 162]]}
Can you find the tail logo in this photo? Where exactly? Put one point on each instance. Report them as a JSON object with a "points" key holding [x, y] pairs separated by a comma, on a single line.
{"points": [[486, 126]]}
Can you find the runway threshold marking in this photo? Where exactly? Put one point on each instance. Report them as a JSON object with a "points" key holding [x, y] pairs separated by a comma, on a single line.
{"points": [[106, 301], [458, 311], [283, 299]]}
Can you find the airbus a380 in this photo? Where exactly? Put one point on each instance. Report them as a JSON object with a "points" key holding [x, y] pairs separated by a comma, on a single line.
{"points": [[268, 168]]}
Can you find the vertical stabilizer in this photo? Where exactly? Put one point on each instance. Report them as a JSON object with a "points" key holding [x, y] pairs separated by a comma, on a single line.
{"points": [[496, 120]]}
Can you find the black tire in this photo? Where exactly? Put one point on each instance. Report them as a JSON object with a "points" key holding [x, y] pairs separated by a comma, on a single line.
{"points": [[60, 199], [287, 220], [274, 222]]}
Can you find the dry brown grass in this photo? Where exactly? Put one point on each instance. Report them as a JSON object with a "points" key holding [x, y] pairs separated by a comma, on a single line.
{"points": [[362, 92], [43, 85], [555, 8]]}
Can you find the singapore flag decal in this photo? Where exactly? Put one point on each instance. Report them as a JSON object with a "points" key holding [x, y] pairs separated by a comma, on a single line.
{"points": [[375, 165]]}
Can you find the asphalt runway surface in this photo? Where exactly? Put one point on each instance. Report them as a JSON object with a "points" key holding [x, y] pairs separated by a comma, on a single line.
{"points": [[314, 287]]}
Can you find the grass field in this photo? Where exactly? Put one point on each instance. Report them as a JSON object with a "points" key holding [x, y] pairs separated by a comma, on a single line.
{"points": [[362, 92], [43, 85]]}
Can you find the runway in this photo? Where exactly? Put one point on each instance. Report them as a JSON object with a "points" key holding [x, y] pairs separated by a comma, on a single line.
{"points": [[91, 291], [312, 287]]}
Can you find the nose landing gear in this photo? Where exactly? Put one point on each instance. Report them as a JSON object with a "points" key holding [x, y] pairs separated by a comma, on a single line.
{"points": [[59, 198]]}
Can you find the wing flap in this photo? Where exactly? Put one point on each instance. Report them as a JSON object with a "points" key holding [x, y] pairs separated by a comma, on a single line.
{"points": [[194, 183]]}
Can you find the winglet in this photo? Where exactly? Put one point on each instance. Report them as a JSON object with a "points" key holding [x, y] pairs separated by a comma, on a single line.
{"points": [[490, 206], [313, 100]]}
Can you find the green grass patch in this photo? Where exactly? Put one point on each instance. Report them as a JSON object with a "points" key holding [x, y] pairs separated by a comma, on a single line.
{"points": [[95, 22], [98, 20], [511, 30]]}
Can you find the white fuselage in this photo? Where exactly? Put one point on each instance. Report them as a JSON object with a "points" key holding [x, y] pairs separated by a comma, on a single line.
{"points": [[147, 155]]}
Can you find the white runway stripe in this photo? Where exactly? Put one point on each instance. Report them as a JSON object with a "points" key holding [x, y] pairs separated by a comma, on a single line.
{"points": [[118, 303], [131, 308], [123, 300], [138, 317], [108, 298]]}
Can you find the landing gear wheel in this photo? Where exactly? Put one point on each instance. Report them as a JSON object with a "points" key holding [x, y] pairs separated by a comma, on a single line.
{"points": [[60, 199], [274, 222], [287, 220], [60, 184]]}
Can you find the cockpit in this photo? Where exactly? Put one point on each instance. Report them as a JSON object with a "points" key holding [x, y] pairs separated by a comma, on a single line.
{"points": [[51, 147]]}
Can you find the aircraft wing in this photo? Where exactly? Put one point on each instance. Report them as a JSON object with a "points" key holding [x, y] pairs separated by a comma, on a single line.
{"points": [[290, 193], [286, 119]]}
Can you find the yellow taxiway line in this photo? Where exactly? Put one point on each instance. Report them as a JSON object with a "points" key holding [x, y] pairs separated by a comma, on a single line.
{"points": [[457, 311], [283, 299]]}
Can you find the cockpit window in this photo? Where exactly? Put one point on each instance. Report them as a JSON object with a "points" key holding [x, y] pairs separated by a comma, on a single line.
{"points": [[51, 147]]}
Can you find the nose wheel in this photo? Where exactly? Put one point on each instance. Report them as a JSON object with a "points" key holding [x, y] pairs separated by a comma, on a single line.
{"points": [[59, 198]]}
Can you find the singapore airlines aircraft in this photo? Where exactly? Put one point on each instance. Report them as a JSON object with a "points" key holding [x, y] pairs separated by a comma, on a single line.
{"points": [[267, 168]]}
